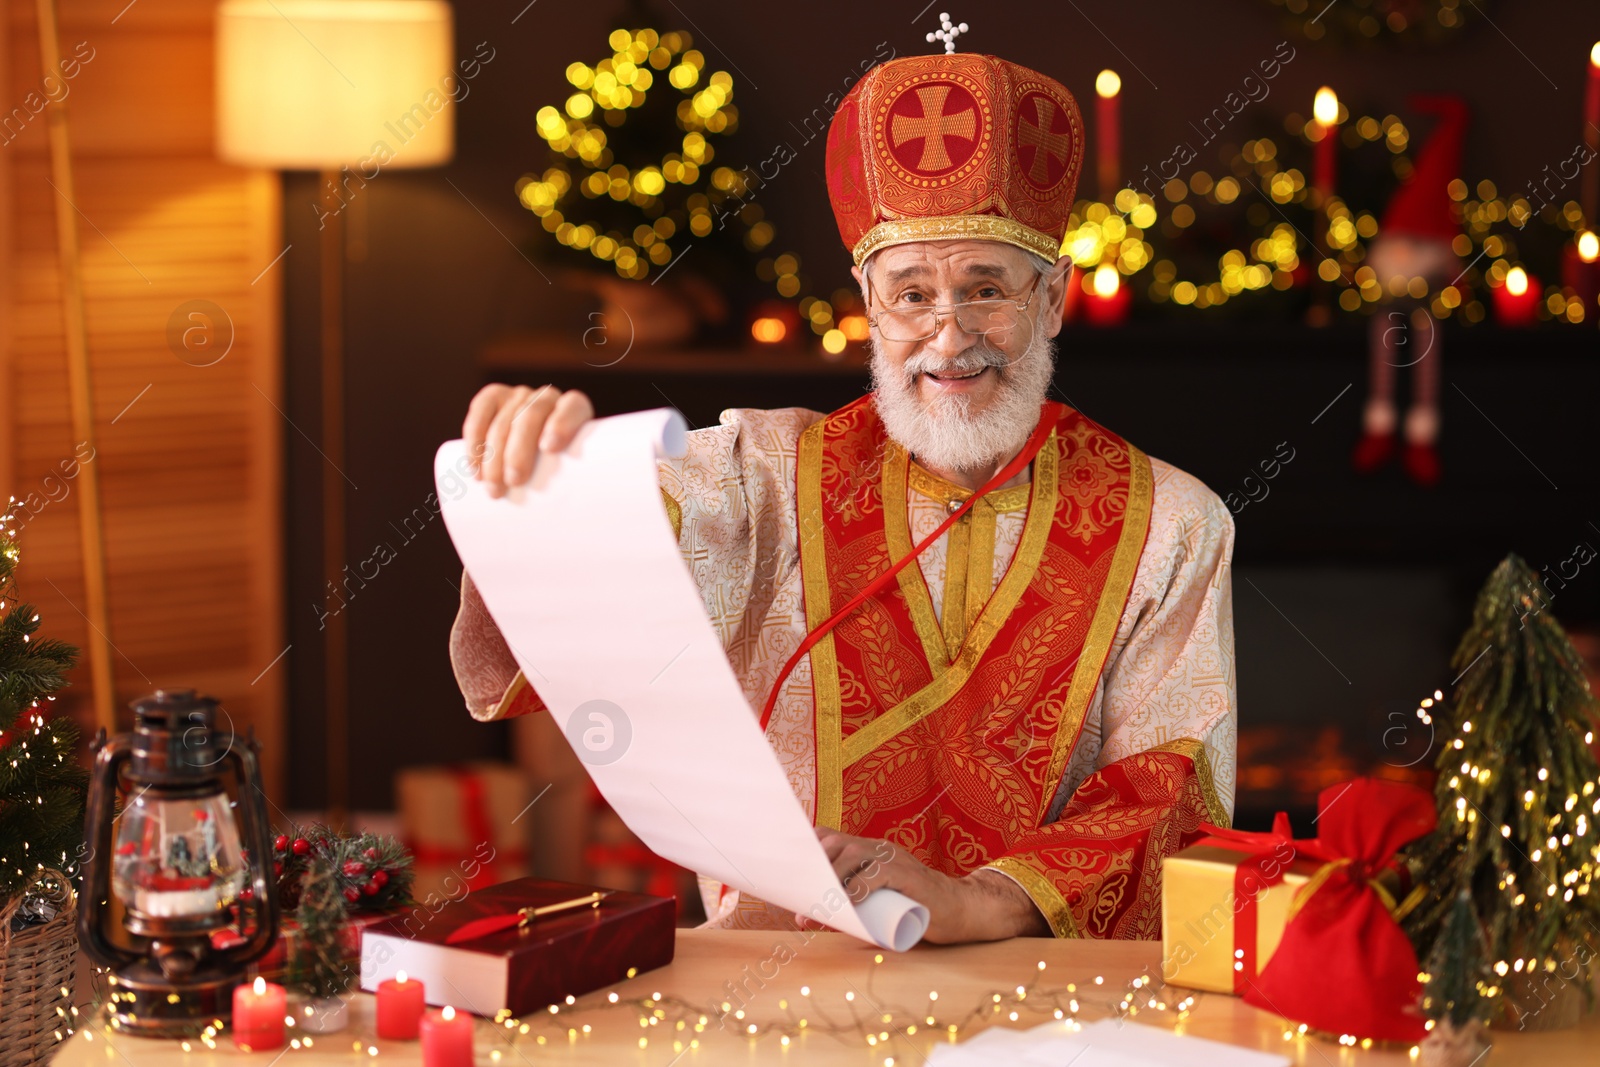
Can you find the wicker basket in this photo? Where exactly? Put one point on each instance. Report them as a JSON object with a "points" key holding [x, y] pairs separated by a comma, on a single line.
{"points": [[36, 965]]}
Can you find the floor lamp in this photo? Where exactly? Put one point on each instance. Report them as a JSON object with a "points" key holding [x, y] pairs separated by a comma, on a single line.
{"points": [[349, 89]]}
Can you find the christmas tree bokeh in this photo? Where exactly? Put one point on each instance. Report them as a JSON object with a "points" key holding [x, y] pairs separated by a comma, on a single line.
{"points": [[42, 787], [1518, 791]]}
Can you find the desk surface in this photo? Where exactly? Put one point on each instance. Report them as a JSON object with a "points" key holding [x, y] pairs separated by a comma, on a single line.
{"points": [[767, 972]]}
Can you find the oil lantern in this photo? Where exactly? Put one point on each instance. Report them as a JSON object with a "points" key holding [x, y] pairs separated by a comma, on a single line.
{"points": [[183, 856]]}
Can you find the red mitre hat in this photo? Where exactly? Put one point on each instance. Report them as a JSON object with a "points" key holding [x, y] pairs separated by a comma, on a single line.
{"points": [[928, 148]]}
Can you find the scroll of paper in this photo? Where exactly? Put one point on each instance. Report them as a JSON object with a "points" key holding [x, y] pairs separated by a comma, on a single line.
{"points": [[582, 575]]}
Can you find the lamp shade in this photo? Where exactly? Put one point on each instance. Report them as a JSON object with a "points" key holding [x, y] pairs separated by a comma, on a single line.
{"points": [[318, 84]]}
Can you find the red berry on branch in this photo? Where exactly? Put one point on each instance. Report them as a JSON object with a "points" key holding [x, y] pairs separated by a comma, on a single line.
{"points": [[371, 853], [281, 842], [277, 866], [352, 895], [380, 878], [354, 867], [371, 889], [301, 846], [247, 893]]}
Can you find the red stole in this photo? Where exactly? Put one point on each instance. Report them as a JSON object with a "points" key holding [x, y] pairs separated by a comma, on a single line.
{"points": [[955, 754]]}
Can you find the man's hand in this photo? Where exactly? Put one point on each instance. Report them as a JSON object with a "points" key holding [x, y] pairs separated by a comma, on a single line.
{"points": [[507, 426], [982, 906]]}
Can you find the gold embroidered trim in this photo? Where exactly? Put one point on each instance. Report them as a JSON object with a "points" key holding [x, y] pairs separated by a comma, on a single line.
{"points": [[1216, 811], [1046, 897], [980, 563], [1030, 550], [503, 705], [674, 513], [824, 659], [952, 227], [897, 534], [934, 487], [1107, 614], [957, 560]]}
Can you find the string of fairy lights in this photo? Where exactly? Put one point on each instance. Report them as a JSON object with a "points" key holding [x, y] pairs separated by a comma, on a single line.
{"points": [[683, 197], [30, 724], [1111, 242], [857, 1017], [1574, 881]]}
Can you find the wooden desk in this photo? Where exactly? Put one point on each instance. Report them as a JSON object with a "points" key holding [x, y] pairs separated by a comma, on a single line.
{"points": [[712, 966]]}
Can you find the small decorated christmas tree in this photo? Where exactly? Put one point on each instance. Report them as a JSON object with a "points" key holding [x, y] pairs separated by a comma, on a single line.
{"points": [[1518, 791], [1453, 995], [42, 788], [318, 967]]}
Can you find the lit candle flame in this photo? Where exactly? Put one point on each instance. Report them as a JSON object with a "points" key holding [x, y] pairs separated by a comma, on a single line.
{"points": [[1594, 55], [1588, 246], [1516, 281], [448, 1013], [260, 987], [1325, 108], [1108, 83], [400, 976], [1106, 281]]}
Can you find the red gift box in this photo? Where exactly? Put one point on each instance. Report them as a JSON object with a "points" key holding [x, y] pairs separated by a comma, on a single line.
{"points": [[274, 966], [521, 968]]}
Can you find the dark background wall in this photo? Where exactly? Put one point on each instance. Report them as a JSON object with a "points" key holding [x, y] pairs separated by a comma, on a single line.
{"points": [[1349, 593]]}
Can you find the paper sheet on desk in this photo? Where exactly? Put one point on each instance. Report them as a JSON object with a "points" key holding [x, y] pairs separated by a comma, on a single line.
{"points": [[580, 571], [1107, 1043]]}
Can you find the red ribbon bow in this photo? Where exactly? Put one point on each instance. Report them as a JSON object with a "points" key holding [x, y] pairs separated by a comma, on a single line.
{"points": [[1267, 859], [1344, 965]]}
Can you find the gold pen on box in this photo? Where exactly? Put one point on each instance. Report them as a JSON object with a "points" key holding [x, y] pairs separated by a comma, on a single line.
{"points": [[591, 900], [520, 918]]}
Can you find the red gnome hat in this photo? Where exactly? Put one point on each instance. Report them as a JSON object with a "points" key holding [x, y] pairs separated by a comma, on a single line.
{"points": [[1421, 207], [941, 147]]}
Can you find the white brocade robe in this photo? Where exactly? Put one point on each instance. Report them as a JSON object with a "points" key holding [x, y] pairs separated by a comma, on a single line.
{"points": [[1169, 673]]}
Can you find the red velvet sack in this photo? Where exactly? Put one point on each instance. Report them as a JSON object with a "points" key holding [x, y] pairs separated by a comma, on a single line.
{"points": [[1344, 965]]}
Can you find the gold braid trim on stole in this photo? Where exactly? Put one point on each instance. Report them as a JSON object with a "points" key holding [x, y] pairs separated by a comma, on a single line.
{"points": [[1024, 565], [1107, 616], [1195, 750], [936, 488], [1046, 897], [897, 535], [674, 513], [500, 707], [824, 659]]}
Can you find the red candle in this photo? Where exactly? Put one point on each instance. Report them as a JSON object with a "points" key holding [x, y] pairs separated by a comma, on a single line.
{"points": [[400, 1004], [1516, 302], [446, 1039], [258, 1013], [1325, 112], [1108, 128], [1106, 300], [1591, 137]]}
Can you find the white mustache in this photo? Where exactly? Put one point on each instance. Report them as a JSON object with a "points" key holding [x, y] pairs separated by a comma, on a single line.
{"points": [[973, 359]]}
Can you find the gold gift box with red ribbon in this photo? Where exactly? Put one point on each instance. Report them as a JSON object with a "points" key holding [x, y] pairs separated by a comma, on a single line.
{"points": [[463, 826], [1224, 903]]}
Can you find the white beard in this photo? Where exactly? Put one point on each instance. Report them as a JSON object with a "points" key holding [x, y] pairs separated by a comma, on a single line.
{"points": [[941, 432]]}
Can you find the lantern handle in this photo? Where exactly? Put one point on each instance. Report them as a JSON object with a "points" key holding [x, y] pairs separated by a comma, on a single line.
{"points": [[110, 755], [264, 898]]}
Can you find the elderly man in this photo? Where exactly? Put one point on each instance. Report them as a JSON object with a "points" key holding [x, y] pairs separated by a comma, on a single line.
{"points": [[1018, 725]]}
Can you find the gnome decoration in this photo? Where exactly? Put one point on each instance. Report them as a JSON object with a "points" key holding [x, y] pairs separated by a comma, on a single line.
{"points": [[1414, 241]]}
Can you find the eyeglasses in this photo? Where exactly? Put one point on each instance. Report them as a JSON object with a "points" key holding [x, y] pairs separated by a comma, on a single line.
{"points": [[922, 321]]}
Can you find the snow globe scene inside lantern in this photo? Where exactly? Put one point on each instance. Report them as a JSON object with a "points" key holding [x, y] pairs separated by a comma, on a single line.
{"points": [[177, 856]]}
